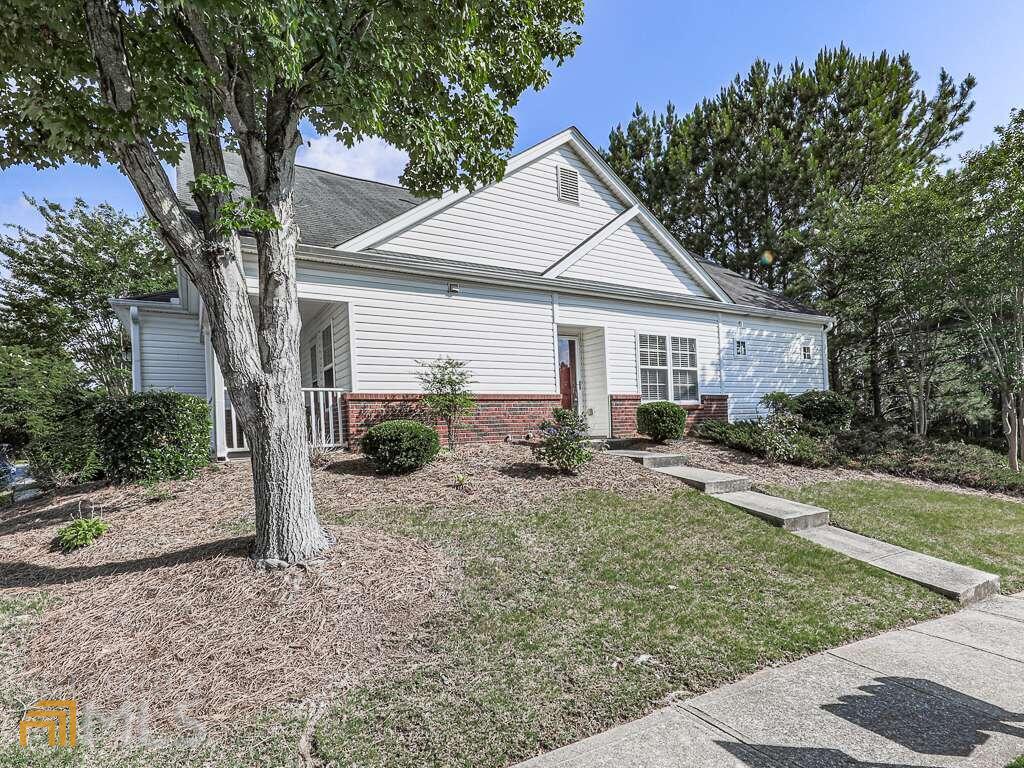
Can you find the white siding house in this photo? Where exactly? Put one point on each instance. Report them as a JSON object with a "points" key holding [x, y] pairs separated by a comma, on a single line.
{"points": [[554, 285]]}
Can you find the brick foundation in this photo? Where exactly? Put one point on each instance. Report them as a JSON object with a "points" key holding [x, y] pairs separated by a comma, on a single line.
{"points": [[623, 408], [494, 417]]}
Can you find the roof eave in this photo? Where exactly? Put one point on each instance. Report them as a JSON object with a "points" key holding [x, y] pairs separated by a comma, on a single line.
{"points": [[474, 273]]}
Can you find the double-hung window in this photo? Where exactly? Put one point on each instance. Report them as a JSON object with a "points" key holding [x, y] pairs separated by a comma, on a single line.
{"points": [[684, 370], [327, 350], [668, 368]]}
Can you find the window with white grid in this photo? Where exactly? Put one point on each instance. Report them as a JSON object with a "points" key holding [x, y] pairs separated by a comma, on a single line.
{"points": [[684, 369], [668, 368]]}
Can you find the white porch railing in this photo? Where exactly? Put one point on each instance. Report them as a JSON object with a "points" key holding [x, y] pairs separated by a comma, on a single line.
{"points": [[325, 419]]}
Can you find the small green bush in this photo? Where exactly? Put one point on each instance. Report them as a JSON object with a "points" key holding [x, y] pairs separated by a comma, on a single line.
{"points": [[661, 421], [825, 407], [565, 443], [63, 449], [400, 446], [153, 436], [81, 533]]}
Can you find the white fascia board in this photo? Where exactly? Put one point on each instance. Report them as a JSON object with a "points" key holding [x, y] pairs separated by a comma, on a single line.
{"points": [[430, 208], [598, 237], [150, 306]]}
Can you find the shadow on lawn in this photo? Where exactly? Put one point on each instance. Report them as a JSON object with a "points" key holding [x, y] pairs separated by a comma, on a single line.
{"points": [[22, 574], [19, 519], [355, 467], [527, 470]]}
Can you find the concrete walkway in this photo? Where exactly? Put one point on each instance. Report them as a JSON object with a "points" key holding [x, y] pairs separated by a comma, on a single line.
{"points": [[945, 693], [959, 582]]}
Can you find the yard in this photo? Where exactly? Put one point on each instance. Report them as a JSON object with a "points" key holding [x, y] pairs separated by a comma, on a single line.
{"points": [[476, 612], [979, 530]]}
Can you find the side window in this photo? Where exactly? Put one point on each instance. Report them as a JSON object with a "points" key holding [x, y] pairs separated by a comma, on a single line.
{"points": [[741, 348]]}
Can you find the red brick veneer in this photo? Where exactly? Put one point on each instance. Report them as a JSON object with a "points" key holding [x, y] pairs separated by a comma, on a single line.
{"points": [[623, 407], [495, 415]]}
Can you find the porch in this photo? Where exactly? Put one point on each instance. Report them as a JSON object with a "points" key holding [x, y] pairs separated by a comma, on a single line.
{"points": [[325, 422]]}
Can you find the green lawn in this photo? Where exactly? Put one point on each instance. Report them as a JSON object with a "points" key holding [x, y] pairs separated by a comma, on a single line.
{"points": [[979, 531], [1018, 763], [579, 615]]}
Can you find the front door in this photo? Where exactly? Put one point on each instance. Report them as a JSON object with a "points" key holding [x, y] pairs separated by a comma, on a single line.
{"points": [[569, 371]]}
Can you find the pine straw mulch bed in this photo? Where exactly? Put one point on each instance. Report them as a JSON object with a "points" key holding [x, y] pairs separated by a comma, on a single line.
{"points": [[166, 611], [701, 453]]}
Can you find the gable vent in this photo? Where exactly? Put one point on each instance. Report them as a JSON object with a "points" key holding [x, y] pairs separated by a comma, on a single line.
{"points": [[568, 181]]}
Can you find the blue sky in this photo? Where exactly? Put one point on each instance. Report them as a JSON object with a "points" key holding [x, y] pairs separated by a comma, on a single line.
{"points": [[654, 51]]}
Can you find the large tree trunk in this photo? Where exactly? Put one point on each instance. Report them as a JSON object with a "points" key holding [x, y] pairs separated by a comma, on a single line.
{"points": [[259, 359]]}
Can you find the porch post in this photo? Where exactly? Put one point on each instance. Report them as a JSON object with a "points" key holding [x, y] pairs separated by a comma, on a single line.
{"points": [[215, 381]]}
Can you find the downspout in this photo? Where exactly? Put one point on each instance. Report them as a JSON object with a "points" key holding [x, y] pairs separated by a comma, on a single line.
{"points": [[133, 314]]}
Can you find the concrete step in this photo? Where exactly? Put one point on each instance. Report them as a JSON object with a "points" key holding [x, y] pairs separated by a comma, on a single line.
{"points": [[791, 515], [960, 582], [648, 458], [707, 480]]}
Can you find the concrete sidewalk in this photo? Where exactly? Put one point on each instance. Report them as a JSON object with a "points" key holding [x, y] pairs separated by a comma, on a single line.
{"points": [[948, 692]]}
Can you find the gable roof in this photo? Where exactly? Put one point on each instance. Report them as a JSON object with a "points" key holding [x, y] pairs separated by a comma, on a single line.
{"points": [[330, 208], [586, 151], [336, 211]]}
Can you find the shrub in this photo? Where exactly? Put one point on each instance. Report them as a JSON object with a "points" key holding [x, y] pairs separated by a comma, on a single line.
{"points": [[153, 436], [775, 436], [661, 421], [779, 402], [400, 446], [825, 407], [445, 385], [81, 533], [64, 448], [565, 443]]}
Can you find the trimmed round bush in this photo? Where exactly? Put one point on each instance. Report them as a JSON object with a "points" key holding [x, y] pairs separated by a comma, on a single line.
{"points": [[400, 446], [661, 421], [153, 436]]}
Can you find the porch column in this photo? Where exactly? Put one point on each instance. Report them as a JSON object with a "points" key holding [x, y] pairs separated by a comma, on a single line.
{"points": [[215, 382]]}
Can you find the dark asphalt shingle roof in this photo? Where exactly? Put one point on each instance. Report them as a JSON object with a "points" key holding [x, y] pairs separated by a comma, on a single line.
{"points": [[329, 208], [744, 291]]}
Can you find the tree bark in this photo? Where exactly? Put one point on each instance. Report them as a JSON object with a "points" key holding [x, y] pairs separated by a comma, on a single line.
{"points": [[1011, 418], [259, 358]]}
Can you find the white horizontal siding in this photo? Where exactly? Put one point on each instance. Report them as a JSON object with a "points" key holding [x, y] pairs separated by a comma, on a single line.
{"points": [[631, 256], [517, 222], [774, 362], [336, 316], [172, 352], [623, 320], [504, 335]]}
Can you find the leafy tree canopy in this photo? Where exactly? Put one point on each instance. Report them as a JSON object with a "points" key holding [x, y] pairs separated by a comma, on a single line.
{"points": [[437, 79], [750, 178], [55, 298]]}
